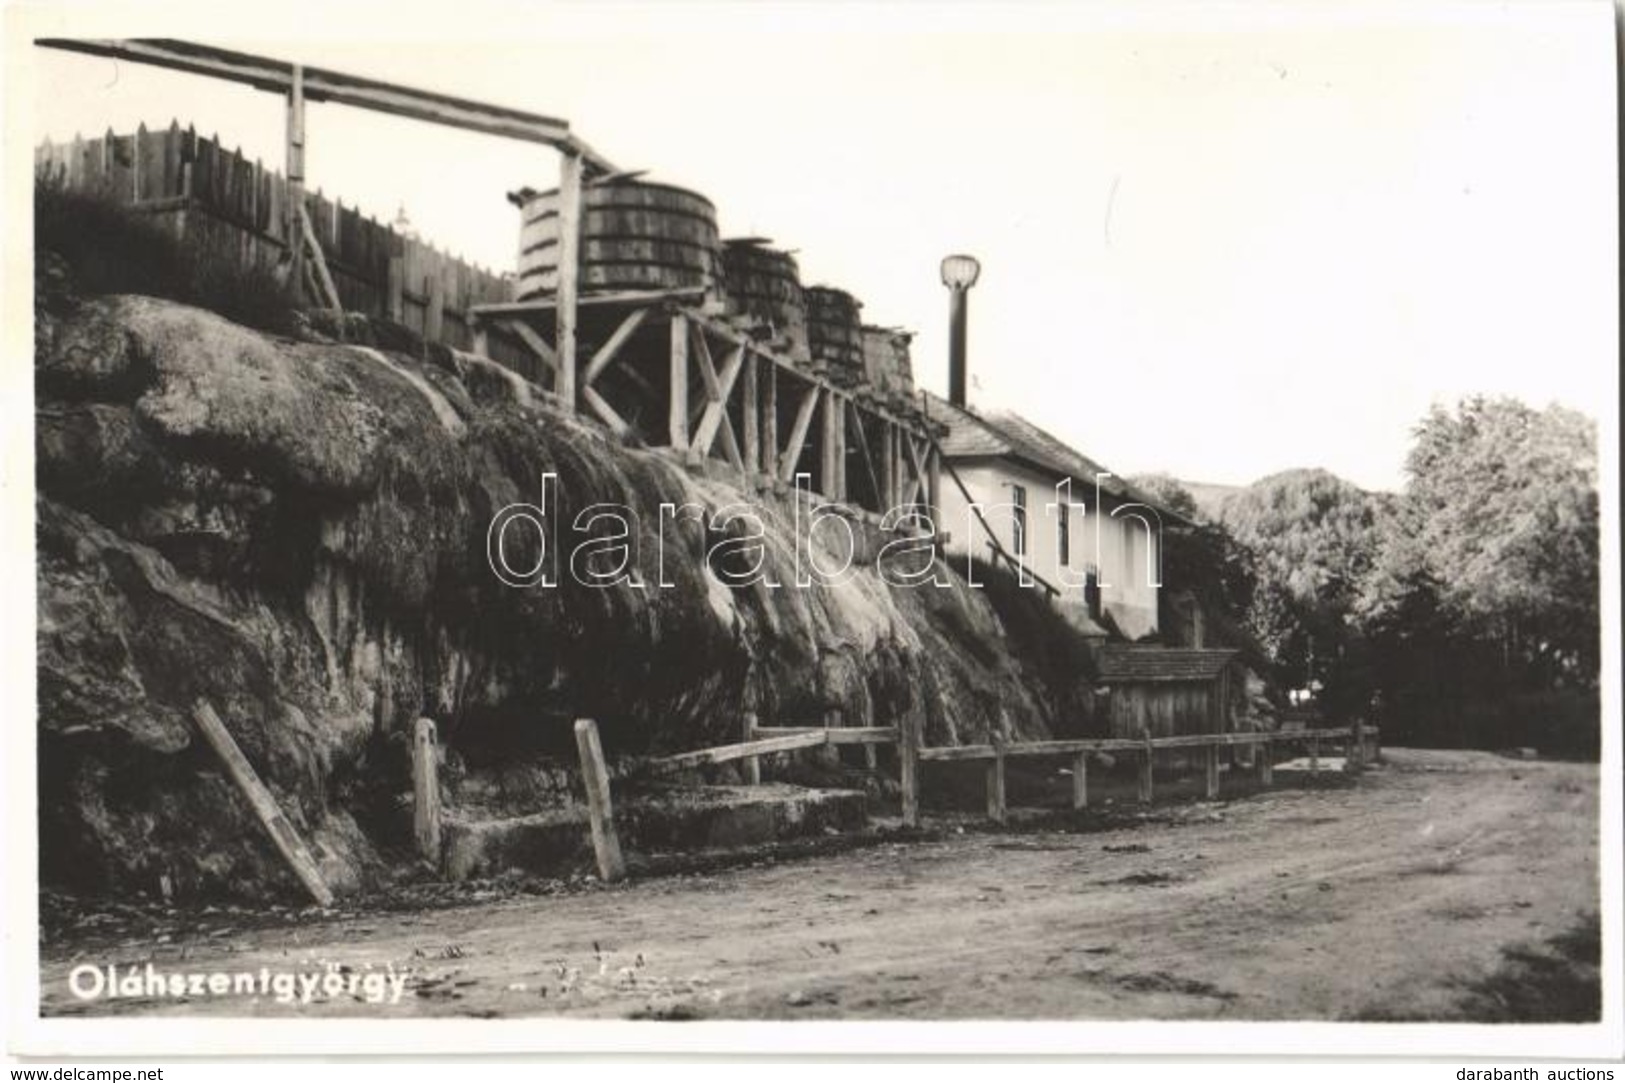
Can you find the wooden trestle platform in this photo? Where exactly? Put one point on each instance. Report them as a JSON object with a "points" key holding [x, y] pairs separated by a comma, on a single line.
{"points": [[668, 368]]}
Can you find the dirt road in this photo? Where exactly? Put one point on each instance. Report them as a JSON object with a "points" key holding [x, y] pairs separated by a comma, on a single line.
{"points": [[1384, 898]]}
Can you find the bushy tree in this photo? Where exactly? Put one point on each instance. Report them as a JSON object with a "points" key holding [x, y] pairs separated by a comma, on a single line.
{"points": [[1498, 532], [1309, 534]]}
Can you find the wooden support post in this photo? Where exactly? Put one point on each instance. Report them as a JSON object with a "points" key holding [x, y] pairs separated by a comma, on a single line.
{"points": [[678, 425], [481, 336], [294, 167], [1080, 781], [753, 764], [995, 785], [1212, 772], [908, 766], [600, 813], [933, 484], [328, 294], [1147, 759], [751, 418], [1314, 755], [871, 759], [1357, 747], [1266, 764], [287, 840], [426, 791], [832, 468], [570, 166], [769, 461]]}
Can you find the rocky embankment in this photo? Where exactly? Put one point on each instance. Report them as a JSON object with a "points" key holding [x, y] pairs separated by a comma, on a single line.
{"points": [[296, 531]]}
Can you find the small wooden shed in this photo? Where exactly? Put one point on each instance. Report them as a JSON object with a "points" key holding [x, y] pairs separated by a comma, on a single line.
{"points": [[1168, 690]]}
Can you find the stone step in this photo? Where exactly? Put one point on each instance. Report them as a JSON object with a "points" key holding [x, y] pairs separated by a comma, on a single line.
{"points": [[683, 819]]}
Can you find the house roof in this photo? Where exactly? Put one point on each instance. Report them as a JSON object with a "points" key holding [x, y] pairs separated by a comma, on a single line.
{"points": [[1005, 434], [1139, 665]]}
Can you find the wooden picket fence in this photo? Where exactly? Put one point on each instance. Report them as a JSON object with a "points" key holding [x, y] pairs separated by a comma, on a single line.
{"points": [[226, 205]]}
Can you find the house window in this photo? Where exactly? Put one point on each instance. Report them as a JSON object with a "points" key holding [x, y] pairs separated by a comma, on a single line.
{"points": [[1063, 534], [1018, 519]]}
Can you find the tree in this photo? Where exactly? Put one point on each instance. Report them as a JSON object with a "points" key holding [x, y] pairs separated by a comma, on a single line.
{"points": [[1500, 524], [1310, 536], [1169, 493]]}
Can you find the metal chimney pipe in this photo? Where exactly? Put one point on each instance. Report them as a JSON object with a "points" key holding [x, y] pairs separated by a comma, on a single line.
{"points": [[959, 274], [956, 347]]}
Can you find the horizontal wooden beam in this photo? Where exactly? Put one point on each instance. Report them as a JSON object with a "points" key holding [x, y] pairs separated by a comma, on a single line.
{"points": [[1124, 744], [322, 84], [728, 753], [837, 735], [619, 297]]}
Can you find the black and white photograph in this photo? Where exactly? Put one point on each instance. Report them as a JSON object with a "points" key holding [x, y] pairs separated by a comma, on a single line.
{"points": [[789, 529]]}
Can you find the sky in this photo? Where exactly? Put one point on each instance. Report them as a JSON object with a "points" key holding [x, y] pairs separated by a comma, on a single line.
{"points": [[1217, 241]]}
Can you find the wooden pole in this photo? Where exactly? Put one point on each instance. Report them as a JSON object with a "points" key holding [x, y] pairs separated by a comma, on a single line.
{"points": [[600, 814], [1314, 755], [570, 166], [1080, 781], [292, 226], [770, 424], [995, 785], [908, 767], [1357, 747], [426, 791], [287, 840], [1266, 764], [834, 468], [753, 764], [1212, 772], [751, 418], [1147, 755], [678, 418]]}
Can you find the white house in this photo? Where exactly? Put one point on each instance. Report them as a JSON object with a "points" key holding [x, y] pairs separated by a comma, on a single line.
{"points": [[1062, 516]]}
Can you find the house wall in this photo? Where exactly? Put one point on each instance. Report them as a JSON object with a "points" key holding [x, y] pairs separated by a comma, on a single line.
{"points": [[1120, 548]]}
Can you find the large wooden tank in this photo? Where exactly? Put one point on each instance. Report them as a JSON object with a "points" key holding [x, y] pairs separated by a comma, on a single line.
{"points": [[764, 283], [886, 363], [835, 333], [634, 236]]}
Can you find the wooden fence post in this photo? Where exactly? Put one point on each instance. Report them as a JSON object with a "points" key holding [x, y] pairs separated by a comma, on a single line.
{"points": [[1266, 764], [1212, 772], [1080, 781], [995, 784], [1314, 755], [1147, 756], [434, 314], [426, 791], [753, 764], [908, 766], [286, 839], [600, 814], [1356, 757]]}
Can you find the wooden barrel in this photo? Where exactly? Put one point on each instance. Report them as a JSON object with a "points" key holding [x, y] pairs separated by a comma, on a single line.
{"points": [[886, 363], [835, 333], [634, 236], [764, 283]]}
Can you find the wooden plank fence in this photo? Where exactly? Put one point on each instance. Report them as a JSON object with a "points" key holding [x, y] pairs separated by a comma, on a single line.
{"points": [[1359, 742], [227, 205]]}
